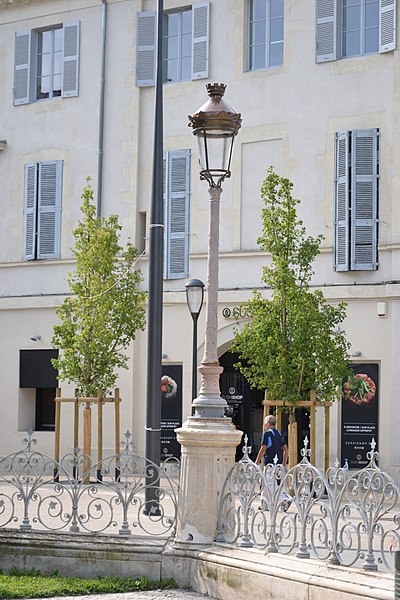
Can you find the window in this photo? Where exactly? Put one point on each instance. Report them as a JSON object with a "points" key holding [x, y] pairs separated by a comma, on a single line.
{"points": [[45, 409], [177, 46], [185, 45], [46, 63], [356, 200], [176, 213], [265, 34], [42, 210], [49, 63], [37, 372], [347, 28]]}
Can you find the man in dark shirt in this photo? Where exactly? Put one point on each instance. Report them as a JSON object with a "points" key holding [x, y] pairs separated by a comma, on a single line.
{"points": [[273, 444]]}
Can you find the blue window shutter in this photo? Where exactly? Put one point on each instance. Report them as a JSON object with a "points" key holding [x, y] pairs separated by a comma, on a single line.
{"points": [[70, 74], [30, 205], [49, 209], [22, 67], [200, 40], [387, 25], [364, 200], [146, 40], [342, 204], [165, 212], [326, 30], [177, 214]]}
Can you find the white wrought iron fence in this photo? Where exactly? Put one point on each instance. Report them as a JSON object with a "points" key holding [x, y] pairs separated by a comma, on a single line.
{"points": [[125, 493], [350, 519]]}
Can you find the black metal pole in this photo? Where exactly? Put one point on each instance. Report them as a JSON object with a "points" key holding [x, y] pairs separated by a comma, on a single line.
{"points": [[154, 318], [194, 357]]}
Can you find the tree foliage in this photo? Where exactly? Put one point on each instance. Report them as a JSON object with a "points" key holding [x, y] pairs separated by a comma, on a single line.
{"points": [[106, 307], [293, 343]]}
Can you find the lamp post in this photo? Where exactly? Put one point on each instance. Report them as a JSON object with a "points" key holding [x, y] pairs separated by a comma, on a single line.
{"points": [[194, 299], [208, 439], [215, 125]]}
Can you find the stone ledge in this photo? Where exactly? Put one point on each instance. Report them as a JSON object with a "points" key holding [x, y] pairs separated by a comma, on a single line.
{"points": [[224, 572]]}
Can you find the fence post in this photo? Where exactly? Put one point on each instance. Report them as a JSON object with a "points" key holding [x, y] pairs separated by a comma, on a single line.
{"points": [[397, 575]]}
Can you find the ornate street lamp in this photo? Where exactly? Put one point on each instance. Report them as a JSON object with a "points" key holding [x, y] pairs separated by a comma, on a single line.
{"points": [[194, 299], [215, 126]]}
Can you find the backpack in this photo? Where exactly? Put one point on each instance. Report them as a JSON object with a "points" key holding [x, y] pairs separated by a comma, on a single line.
{"points": [[277, 447]]}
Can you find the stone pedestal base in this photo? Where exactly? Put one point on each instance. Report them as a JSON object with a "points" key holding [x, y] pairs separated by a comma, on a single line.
{"points": [[208, 453]]}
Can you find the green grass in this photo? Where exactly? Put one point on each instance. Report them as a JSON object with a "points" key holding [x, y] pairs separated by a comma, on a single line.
{"points": [[33, 584]]}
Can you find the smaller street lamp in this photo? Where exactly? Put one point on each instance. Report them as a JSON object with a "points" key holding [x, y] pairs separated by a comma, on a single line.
{"points": [[194, 299]]}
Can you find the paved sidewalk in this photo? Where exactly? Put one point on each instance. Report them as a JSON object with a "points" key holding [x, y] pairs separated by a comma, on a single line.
{"points": [[154, 594]]}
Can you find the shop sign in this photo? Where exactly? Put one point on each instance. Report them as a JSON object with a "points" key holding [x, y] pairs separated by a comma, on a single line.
{"points": [[171, 410], [236, 312], [360, 413]]}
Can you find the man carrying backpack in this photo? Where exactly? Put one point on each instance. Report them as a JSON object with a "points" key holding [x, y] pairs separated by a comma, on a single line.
{"points": [[273, 444]]}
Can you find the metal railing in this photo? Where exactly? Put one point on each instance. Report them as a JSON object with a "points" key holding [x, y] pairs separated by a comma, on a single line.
{"points": [[341, 517], [39, 493]]}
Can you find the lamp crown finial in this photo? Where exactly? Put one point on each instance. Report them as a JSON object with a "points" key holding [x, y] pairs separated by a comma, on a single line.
{"points": [[216, 91]]}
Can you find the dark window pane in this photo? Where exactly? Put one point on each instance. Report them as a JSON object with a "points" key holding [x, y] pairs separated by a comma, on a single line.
{"points": [[276, 8], [258, 10], [372, 14], [45, 409], [372, 40], [353, 18], [172, 24], [58, 40], [46, 41], [43, 87], [187, 21], [258, 33], [172, 70], [352, 44], [258, 57], [276, 30], [187, 45], [172, 50], [276, 55], [57, 85]]}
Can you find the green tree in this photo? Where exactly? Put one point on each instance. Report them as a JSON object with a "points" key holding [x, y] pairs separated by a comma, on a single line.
{"points": [[293, 343], [106, 307]]}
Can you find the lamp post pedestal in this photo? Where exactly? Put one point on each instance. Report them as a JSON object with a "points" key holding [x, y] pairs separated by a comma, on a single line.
{"points": [[208, 453]]}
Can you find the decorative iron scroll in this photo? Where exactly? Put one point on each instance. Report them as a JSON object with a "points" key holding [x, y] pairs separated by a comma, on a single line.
{"points": [[36, 492], [341, 517]]}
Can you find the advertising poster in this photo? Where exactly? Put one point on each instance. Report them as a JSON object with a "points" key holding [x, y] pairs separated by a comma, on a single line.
{"points": [[171, 410], [360, 411]]}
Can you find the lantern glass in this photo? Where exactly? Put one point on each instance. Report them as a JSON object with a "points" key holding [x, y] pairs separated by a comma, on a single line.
{"points": [[215, 149], [194, 296]]}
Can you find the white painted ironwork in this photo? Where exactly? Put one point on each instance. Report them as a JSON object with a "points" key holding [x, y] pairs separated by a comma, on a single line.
{"points": [[351, 519], [38, 493]]}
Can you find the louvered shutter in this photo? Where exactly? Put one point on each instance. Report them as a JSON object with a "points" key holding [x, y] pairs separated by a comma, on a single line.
{"points": [[342, 202], [49, 209], [146, 49], [364, 161], [165, 212], [200, 40], [70, 74], [177, 222], [22, 67], [30, 204], [387, 25], [326, 30]]}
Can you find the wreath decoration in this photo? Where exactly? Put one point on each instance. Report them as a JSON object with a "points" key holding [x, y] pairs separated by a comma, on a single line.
{"points": [[168, 386]]}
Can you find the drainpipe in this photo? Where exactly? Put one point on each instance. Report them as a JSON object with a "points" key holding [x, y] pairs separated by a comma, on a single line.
{"points": [[101, 114]]}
